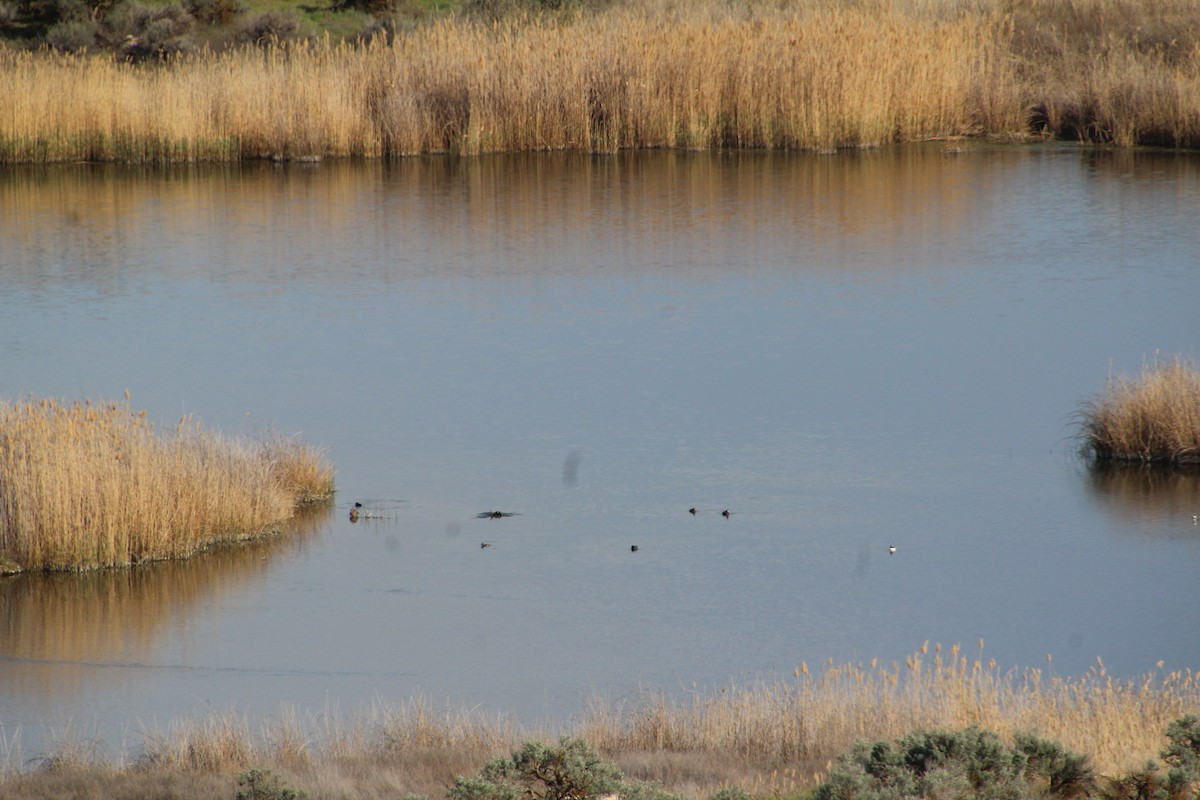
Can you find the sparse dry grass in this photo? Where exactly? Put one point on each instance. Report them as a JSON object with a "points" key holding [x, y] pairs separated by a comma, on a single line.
{"points": [[1153, 418], [94, 485], [819, 74], [771, 739]]}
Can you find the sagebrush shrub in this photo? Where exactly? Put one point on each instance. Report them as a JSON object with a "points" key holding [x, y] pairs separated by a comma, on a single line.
{"points": [[1067, 774], [262, 784], [572, 770], [72, 36], [958, 765], [1182, 755]]}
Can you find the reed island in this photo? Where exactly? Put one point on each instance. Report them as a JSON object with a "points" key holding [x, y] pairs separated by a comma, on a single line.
{"points": [[88, 485], [1151, 419], [152, 81]]}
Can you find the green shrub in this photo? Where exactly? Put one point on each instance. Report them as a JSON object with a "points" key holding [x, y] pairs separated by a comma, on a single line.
{"points": [[1182, 755], [72, 35], [1067, 774], [492, 10], [140, 31], [214, 12], [54, 11], [269, 27], [262, 784], [730, 793], [1144, 784], [378, 8], [971, 763], [570, 771], [9, 14]]}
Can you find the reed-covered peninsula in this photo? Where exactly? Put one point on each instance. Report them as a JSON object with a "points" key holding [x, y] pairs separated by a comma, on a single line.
{"points": [[804, 74], [86, 485]]}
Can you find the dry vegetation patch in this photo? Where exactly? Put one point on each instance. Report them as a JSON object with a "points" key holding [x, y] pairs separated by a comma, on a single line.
{"points": [[86, 485], [1152, 418], [817, 74], [770, 739]]}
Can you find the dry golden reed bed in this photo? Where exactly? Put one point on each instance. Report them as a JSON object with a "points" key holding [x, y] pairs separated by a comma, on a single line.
{"points": [[1153, 418], [86, 485], [818, 74], [773, 739]]}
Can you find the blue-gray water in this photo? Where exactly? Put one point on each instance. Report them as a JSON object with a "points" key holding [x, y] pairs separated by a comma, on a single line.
{"points": [[848, 352]]}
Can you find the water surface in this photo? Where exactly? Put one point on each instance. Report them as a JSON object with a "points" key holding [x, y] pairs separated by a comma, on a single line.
{"points": [[849, 352]]}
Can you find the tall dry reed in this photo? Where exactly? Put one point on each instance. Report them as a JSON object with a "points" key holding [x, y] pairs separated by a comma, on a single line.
{"points": [[1123, 72], [1153, 418], [87, 485], [818, 74], [803, 723]]}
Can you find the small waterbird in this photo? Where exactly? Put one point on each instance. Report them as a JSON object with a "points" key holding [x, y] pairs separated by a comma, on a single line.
{"points": [[484, 544], [633, 548], [891, 548], [725, 513], [692, 511]]}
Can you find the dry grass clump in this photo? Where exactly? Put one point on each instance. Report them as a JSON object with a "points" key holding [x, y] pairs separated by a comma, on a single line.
{"points": [[300, 469], [410, 750], [85, 486], [1153, 418], [230, 743], [107, 783]]}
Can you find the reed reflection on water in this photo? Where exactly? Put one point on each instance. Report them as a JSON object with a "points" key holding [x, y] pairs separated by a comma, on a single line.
{"points": [[534, 215], [112, 618], [1147, 496], [850, 352]]}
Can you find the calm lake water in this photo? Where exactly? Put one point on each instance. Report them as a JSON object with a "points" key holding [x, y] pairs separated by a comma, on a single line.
{"points": [[847, 352]]}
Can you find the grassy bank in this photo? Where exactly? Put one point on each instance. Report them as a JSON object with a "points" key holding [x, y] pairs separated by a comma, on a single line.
{"points": [[1152, 418], [87, 485], [817, 74], [774, 739]]}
